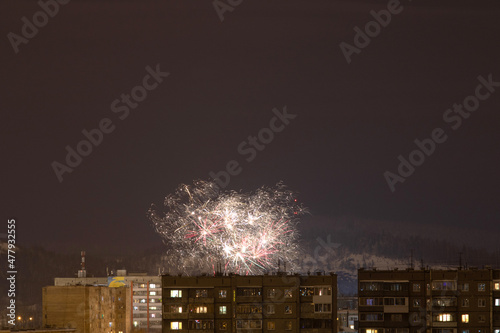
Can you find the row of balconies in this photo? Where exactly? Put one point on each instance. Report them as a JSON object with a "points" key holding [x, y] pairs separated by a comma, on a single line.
{"points": [[171, 315]]}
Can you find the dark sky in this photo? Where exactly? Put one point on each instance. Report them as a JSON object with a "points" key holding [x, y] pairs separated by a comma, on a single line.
{"points": [[353, 120]]}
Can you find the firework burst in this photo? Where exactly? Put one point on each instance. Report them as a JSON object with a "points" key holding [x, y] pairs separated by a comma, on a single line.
{"points": [[245, 233]]}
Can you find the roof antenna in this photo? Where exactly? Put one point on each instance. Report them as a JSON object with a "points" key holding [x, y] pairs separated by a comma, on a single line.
{"points": [[82, 272]]}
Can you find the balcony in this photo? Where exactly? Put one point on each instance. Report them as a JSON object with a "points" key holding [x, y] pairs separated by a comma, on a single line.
{"points": [[173, 315], [202, 300], [248, 299], [396, 308], [450, 324]]}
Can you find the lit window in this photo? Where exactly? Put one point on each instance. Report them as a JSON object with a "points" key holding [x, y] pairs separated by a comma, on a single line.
{"points": [[176, 325], [496, 331], [176, 308], [152, 285], [444, 317], [152, 293], [370, 330], [481, 302], [270, 308], [465, 318], [288, 309], [481, 286], [271, 325], [306, 291], [222, 309], [288, 293], [497, 301], [201, 309], [175, 293], [223, 293], [496, 286], [322, 291], [288, 325], [153, 315], [465, 331], [135, 324], [416, 287], [110, 323]]}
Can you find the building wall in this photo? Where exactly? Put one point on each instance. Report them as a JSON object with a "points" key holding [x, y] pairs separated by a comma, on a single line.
{"points": [[88, 309], [66, 307], [108, 309], [272, 303]]}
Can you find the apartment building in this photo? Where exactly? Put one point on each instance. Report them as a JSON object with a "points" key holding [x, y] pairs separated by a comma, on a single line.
{"points": [[146, 303], [347, 314], [142, 301], [430, 301], [265, 303], [496, 301]]}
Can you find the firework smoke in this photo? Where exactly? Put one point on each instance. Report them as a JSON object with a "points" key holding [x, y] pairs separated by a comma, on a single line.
{"points": [[206, 228]]}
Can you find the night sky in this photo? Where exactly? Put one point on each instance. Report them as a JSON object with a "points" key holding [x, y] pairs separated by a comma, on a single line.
{"points": [[352, 120]]}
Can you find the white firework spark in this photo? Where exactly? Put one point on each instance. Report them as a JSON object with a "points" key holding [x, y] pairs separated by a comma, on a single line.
{"points": [[245, 233]]}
